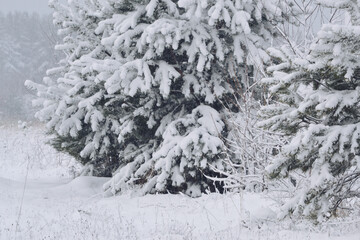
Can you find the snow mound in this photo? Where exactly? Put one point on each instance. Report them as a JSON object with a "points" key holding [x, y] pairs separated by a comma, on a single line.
{"points": [[83, 186]]}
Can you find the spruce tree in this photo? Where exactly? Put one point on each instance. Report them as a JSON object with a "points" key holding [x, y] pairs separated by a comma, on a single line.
{"points": [[140, 90], [316, 102]]}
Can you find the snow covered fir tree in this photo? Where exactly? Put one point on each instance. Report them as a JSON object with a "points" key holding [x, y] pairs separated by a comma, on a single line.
{"points": [[138, 96], [316, 102], [180, 119]]}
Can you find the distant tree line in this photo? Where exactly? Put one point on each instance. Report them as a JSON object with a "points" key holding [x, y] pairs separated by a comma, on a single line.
{"points": [[26, 51]]}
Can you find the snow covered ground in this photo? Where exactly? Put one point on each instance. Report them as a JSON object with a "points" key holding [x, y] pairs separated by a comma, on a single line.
{"points": [[40, 200]]}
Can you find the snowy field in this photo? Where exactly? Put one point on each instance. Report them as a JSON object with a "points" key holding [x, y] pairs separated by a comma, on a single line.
{"points": [[39, 199]]}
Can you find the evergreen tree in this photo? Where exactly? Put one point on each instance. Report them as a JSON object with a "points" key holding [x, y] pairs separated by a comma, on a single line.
{"points": [[317, 103], [139, 90], [72, 100]]}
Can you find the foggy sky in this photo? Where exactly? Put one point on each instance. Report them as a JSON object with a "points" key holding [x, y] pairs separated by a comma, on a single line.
{"points": [[39, 6]]}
